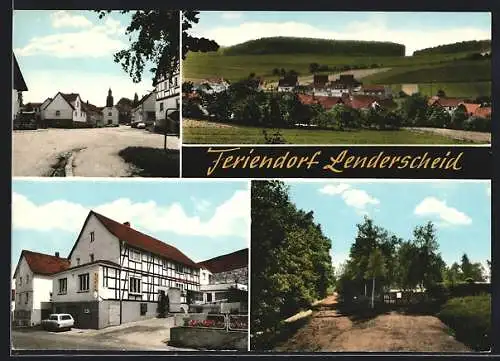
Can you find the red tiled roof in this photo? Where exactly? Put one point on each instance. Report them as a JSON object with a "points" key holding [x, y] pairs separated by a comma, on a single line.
{"points": [[362, 101], [371, 88], [142, 241], [483, 112], [329, 102], [446, 102], [470, 108], [227, 262], [44, 264], [306, 99]]}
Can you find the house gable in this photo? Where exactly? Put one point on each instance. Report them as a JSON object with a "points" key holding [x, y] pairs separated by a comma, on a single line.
{"points": [[59, 108], [95, 241]]}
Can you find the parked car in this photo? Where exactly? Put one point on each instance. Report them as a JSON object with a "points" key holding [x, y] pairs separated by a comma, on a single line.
{"points": [[141, 125], [59, 321]]}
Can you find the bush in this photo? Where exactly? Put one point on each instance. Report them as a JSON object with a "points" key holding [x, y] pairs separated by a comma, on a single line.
{"points": [[470, 319]]}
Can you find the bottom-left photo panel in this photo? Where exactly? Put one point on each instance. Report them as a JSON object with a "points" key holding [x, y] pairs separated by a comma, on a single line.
{"points": [[144, 265]]}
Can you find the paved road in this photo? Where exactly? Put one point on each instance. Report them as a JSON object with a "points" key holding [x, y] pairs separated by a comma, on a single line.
{"points": [[43, 340], [95, 151]]}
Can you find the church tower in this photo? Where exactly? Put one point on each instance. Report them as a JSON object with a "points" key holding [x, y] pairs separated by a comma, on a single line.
{"points": [[109, 99]]}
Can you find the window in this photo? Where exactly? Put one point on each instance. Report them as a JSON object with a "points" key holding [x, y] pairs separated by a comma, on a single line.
{"points": [[134, 285], [58, 113], [105, 272], [110, 114], [204, 276], [27, 278], [78, 261], [20, 280], [92, 236], [164, 264], [65, 317], [175, 81], [161, 106], [135, 255], [84, 282], [209, 297], [91, 257], [178, 268], [27, 298], [63, 286]]}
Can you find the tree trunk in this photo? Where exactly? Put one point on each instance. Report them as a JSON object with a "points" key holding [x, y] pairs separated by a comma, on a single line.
{"points": [[365, 288], [373, 293]]}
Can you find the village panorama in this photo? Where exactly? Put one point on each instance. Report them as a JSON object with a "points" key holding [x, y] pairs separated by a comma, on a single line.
{"points": [[294, 89]]}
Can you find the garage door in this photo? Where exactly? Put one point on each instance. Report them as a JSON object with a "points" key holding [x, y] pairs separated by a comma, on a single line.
{"points": [[114, 314]]}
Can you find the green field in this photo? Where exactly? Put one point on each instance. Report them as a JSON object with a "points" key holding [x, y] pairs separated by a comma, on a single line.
{"points": [[454, 89], [253, 135], [236, 67], [455, 71]]}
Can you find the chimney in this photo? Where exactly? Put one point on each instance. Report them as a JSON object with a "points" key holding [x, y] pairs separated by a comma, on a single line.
{"points": [[127, 224], [57, 254]]}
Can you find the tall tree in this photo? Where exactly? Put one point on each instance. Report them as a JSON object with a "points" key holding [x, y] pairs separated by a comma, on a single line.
{"points": [[430, 262], [136, 100], [157, 34], [375, 269]]}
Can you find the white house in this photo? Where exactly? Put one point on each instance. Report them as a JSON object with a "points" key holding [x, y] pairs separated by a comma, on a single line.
{"points": [[288, 83], [145, 111], [19, 85], [64, 110], [33, 284], [110, 113], [117, 275], [220, 274], [168, 90]]}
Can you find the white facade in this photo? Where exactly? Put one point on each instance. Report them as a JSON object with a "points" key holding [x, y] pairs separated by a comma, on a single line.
{"points": [[31, 290], [15, 103], [219, 292], [110, 115], [133, 274], [42, 107], [59, 108], [205, 276], [145, 112], [286, 88], [167, 95]]}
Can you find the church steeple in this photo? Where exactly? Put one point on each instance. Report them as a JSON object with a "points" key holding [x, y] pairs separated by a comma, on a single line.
{"points": [[109, 99]]}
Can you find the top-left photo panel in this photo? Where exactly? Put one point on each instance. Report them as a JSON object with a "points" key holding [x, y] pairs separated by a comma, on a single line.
{"points": [[96, 93]]}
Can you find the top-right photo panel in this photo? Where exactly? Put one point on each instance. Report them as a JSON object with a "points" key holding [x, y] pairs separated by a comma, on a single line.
{"points": [[324, 78]]}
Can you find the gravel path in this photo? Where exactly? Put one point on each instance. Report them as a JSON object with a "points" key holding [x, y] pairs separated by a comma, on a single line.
{"points": [[476, 137], [95, 151]]}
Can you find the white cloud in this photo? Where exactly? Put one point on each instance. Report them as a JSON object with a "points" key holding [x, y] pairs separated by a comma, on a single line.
{"points": [[375, 29], [201, 205], [93, 41], [92, 86], [63, 18], [432, 206], [231, 15], [355, 198], [230, 218]]}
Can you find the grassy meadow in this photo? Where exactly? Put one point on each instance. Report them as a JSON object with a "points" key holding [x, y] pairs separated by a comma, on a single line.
{"points": [[205, 132]]}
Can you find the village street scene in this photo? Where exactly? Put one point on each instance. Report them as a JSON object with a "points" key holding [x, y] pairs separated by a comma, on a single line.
{"points": [[77, 111], [121, 271], [371, 266], [324, 82]]}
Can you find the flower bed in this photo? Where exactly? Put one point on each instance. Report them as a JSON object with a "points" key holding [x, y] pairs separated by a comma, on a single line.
{"points": [[238, 323], [220, 323]]}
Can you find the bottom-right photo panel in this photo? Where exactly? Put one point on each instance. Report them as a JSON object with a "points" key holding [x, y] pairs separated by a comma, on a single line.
{"points": [[371, 266]]}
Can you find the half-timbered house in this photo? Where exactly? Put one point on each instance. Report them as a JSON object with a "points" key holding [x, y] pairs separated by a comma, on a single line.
{"points": [[117, 274]]}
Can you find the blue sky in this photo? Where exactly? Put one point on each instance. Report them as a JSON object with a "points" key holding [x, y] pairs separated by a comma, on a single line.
{"points": [[72, 51], [461, 212], [202, 219], [414, 29]]}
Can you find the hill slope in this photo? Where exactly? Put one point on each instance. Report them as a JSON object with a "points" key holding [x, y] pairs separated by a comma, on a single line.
{"points": [[290, 45], [464, 46]]}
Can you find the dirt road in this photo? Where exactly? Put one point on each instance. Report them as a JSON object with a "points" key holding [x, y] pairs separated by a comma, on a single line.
{"points": [[476, 137], [328, 331], [95, 151]]}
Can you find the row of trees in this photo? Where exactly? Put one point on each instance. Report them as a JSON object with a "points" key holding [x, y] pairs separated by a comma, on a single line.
{"points": [[244, 103], [459, 47], [381, 260], [318, 68], [291, 264]]}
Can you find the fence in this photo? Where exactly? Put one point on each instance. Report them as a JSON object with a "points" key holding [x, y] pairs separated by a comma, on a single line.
{"points": [[218, 322]]}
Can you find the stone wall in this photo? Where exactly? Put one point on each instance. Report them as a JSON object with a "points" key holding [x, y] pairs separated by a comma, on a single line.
{"points": [[239, 275]]}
